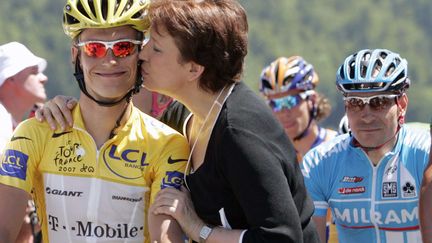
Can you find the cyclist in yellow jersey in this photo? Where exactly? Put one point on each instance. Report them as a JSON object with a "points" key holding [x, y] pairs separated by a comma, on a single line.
{"points": [[95, 181]]}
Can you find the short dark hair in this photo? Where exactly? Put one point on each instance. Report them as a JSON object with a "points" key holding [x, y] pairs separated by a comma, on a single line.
{"points": [[212, 33]]}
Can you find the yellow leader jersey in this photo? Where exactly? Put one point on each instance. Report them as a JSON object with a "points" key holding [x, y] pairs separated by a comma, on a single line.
{"points": [[85, 194]]}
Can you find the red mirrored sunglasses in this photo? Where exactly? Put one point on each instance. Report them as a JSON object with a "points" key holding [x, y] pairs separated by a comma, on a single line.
{"points": [[120, 48]]}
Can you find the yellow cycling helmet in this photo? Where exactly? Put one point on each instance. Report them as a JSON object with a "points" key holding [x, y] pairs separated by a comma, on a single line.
{"points": [[83, 14]]}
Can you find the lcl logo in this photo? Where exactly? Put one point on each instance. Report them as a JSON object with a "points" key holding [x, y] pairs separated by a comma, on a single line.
{"points": [[14, 164], [127, 163]]}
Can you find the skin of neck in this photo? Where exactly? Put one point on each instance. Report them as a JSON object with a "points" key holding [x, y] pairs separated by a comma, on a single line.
{"points": [[143, 101], [375, 155], [197, 100], [304, 144], [93, 114]]}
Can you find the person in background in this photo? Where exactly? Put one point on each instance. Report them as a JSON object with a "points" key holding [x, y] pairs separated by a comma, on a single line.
{"points": [[370, 177], [95, 181], [22, 86], [162, 107], [288, 86], [151, 103]]}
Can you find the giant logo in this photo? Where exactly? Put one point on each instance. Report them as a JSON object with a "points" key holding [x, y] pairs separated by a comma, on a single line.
{"points": [[14, 164], [65, 193], [118, 161]]}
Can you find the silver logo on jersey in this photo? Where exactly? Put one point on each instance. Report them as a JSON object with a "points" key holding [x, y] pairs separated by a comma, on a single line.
{"points": [[389, 189]]}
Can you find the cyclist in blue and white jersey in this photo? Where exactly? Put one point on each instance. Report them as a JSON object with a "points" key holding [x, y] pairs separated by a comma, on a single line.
{"points": [[370, 177]]}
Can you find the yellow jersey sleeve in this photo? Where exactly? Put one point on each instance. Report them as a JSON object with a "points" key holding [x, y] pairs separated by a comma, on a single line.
{"points": [[22, 154]]}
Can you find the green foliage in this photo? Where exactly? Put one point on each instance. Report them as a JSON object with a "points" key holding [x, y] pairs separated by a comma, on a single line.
{"points": [[323, 32]]}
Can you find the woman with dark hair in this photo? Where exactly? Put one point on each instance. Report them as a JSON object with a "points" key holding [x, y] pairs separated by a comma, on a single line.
{"points": [[243, 178]]}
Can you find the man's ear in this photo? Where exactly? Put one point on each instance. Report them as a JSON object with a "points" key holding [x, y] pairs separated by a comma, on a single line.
{"points": [[312, 100], [403, 104], [74, 54]]}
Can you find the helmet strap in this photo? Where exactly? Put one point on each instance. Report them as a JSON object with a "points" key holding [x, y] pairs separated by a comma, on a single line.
{"points": [[401, 118], [312, 115], [117, 125]]}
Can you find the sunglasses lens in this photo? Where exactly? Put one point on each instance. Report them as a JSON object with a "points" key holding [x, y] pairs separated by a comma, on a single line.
{"points": [[123, 48], [285, 103], [355, 104], [379, 103], [95, 49], [376, 103]]}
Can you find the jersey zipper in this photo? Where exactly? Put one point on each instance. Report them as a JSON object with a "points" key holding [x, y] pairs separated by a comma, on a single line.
{"points": [[373, 201], [373, 196], [95, 184]]}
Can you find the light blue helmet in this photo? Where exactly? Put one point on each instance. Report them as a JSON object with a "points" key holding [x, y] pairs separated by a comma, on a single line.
{"points": [[377, 70]]}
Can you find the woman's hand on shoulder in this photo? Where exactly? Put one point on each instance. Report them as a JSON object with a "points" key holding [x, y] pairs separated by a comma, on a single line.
{"points": [[57, 111]]}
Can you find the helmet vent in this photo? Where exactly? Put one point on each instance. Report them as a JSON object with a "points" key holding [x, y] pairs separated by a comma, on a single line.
{"points": [[104, 8], [341, 73], [69, 19], [128, 5], [401, 76], [376, 68], [82, 10], [137, 15], [383, 55], [364, 62], [390, 70], [276, 75], [351, 66]]}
